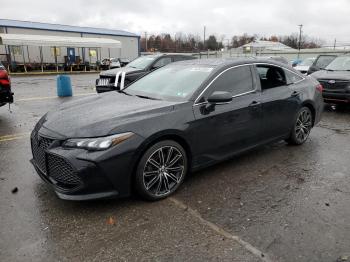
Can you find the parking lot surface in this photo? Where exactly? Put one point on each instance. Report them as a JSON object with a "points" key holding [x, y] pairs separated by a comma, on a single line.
{"points": [[275, 203]]}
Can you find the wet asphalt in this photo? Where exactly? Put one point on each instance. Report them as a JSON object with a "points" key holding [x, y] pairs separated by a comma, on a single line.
{"points": [[275, 203]]}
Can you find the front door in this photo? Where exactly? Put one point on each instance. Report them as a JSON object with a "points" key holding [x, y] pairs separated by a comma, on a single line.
{"points": [[231, 127], [71, 55]]}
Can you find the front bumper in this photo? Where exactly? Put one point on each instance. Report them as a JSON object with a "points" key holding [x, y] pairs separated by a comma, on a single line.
{"points": [[336, 97], [77, 174]]}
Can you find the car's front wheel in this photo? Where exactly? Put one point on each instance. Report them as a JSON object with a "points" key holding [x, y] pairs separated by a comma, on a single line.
{"points": [[161, 170], [302, 127]]}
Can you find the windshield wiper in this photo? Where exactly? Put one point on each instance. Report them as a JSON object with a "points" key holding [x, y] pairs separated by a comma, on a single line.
{"points": [[147, 97], [329, 69]]}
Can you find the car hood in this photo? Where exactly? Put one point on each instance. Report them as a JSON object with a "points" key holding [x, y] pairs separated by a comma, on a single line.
{"points": [[127, 70], [301, 68], [332, 75], [101, 115]]}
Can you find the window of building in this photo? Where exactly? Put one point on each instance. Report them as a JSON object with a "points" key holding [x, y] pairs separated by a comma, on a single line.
{"points": [[56, 50]]}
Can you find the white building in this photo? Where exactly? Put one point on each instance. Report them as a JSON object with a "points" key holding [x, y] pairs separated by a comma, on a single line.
{"points": [[33, 44], [258, 46]]}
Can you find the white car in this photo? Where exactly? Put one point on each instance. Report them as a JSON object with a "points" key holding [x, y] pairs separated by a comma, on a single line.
{"points": [[304, 66]]}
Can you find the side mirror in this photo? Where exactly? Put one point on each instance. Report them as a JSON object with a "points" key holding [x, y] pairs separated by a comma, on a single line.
{"points": [[220, 97]]}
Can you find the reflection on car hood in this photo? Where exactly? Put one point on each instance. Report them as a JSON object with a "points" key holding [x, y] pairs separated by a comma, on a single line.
{"points": [[332, 75], [114, 71], [99, 115]]}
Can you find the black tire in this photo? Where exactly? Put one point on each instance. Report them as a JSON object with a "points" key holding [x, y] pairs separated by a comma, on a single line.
{"points": [[301, 127], [161, 170]]}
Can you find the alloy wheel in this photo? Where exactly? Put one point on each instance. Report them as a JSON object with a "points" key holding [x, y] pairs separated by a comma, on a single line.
{"points": [[163, 171], [303, 125]]}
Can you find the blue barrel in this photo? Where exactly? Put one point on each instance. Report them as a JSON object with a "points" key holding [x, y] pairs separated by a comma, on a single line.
{"points": [[64, 86]]}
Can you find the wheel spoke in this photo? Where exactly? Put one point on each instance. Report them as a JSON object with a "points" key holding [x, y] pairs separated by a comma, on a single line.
{"points": [[152, 182], [174, 160], [172, 177], [161, 156], [174, 169], [166, 184], [159, 187], [170, 152], [151, 173], [154, 163]]}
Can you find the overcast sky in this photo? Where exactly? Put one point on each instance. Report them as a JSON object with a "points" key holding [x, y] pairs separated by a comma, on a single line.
{"points": [[321, 18]]}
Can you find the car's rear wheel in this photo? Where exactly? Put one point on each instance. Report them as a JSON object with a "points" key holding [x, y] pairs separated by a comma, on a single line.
{"points": [[161, 170], [302, 127]]}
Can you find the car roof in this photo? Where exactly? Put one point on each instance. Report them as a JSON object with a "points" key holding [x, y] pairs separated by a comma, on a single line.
{"points": [[227, 62]]}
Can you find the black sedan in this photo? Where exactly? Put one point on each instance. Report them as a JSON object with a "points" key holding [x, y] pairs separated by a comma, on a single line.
{"points": [[335, 79], [180, 118], [119, 78]]}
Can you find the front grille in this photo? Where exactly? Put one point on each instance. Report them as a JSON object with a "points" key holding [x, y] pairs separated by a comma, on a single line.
{"points": [[106, 80], [62, 171], [335, 85], [39, 146]]}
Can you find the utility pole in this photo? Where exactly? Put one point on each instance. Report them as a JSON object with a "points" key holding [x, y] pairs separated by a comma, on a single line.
{"points": [[146, 41], [204, 37], [300, 30], [335, 43]]}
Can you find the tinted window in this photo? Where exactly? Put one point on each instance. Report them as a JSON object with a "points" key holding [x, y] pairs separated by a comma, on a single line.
{"points": [[271, 76], [324, 61], [162, 62], [292, 77], [236, 81]]}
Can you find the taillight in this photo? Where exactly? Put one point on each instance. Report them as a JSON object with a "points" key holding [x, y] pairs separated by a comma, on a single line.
{"points": [[319, 87]]}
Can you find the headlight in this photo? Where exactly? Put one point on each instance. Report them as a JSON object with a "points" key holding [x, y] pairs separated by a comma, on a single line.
{"points": [[98, 143]]}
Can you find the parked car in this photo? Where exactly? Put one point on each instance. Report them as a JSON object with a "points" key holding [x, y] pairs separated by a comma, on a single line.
{"points": [[134, 70], [335, 79], [321, 62], [303, 66], [182, 117], [110, 63], [280, 59], [6, 95]]}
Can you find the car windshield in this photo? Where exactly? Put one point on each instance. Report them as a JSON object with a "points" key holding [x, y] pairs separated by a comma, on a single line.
{"points": [[307, 62], [341, 63], [173, 82], [141, 62]]}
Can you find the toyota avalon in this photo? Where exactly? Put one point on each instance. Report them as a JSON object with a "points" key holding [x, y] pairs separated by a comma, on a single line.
{"points": [[177, 119]]}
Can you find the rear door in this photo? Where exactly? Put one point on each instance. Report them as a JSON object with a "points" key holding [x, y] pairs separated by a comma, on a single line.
{"points": [[229, 127], [280, 101]]}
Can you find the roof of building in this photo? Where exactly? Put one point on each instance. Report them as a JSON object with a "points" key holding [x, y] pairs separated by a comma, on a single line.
{"points": [[49, 40], [267, 45], [64, 28]]}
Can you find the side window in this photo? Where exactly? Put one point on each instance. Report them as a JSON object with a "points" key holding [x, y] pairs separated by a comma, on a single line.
{"points": [[291, 77], [236, 81], [271, 76], [162, 62]]}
